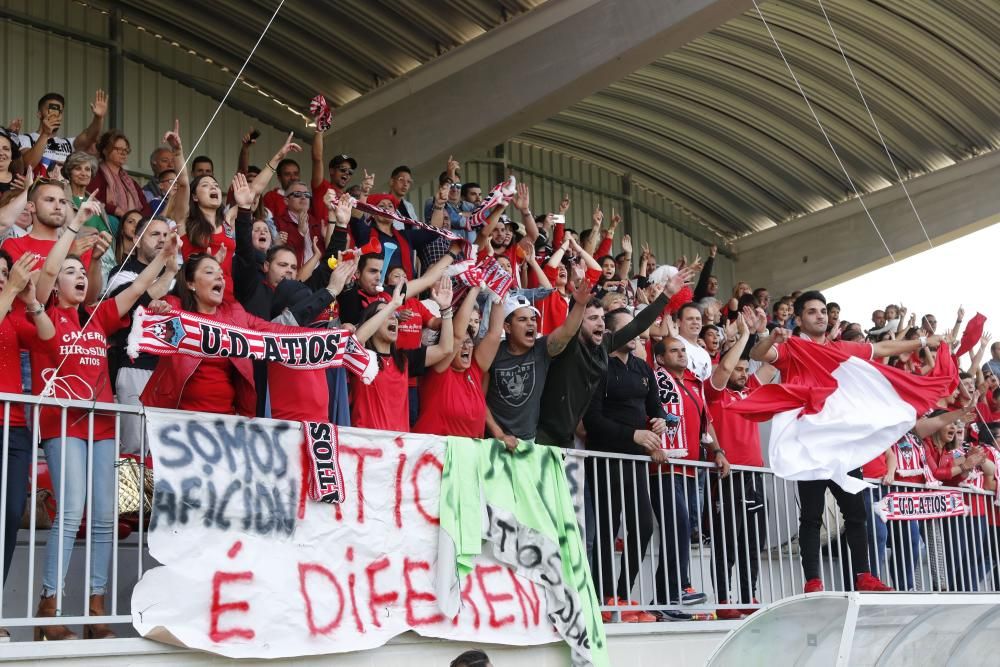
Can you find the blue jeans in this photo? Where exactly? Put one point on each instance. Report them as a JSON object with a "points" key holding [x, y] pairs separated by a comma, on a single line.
{"points": [[679, 497], [904, 540], [72, 501], [877, 533], [16, 468]]}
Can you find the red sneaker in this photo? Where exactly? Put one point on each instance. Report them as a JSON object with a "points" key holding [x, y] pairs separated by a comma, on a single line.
{"points": [[631, 616], [747, 612], [868, 582], [728, 614], [813, 586]]}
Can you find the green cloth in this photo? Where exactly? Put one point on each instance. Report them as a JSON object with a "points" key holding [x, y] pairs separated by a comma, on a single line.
{"points": [[520, 503]]}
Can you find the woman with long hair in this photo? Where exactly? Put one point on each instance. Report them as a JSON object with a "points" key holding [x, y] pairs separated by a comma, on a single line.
{"points": [[10, 160], [70, 363]]}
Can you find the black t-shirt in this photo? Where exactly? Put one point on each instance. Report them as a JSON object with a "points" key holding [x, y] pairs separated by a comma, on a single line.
{"points": [[352, 303]]}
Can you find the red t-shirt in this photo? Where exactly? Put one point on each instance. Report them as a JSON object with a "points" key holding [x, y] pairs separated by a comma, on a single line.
{"points": [[408, 332], [298, 394], [385, 403], [555, 307], [687, 403], [84, 374], [22, 244], [211, 388], [274, 201], [940, 464], [318, 206], [15, 332], [218, 240], [876, 468], [295, 239], [452, 403], [738, 436]]}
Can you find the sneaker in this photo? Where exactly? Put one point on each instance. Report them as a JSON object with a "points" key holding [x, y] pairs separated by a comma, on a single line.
{"points": [[631, 616], [670, 615], [813, 586], [728, 614], [747, 612], [691, 596], [868, 582]]}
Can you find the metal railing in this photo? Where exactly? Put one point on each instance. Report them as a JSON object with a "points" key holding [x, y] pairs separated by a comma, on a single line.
{"points": [[653, 535]]}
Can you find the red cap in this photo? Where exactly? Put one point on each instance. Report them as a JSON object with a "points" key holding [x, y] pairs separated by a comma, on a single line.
{"points": [[378, 198]]}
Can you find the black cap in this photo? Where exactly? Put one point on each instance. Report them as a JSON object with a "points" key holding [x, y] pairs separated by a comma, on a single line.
{"points": [[340, 159], [253, 169]]}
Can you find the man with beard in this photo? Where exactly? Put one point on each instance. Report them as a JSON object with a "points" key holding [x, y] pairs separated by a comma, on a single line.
{"points": [[339, 170], [811, 317], [130, 376], [287, 172], [516, 380]]}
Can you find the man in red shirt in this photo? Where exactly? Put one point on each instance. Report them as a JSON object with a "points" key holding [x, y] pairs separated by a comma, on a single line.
{"points": [[288, 172], [812, 319], [739, 519], [413, 318], [675, 488], [340, 169]]}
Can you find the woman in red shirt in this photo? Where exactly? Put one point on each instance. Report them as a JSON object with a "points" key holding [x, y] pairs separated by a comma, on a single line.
{"points": [[206, 231], [69, 356], [384, 404], [451, 393]]}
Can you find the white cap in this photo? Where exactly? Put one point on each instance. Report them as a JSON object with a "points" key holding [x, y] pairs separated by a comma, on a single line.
{"points": [[515, 302]]}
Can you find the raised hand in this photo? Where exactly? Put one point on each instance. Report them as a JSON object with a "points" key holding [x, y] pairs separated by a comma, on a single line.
{"points": [[343, 211], [397, 295], [582, 292], [780, 335], [615, 221], [101, 244], [173, 137], [626, 240], [289, 147], [342, 273], [564, 204], [99, 107], [441, 196], [522, 199], [442, 292], [220, 256], [646, 252], [82, 245], [171, 247], [961, 313], [248, 138], [368, 182], [283, 237], [88, 209], [453, 167], [243, 194], [598, 216], [741, 325], [678, 281], [20, 273]]}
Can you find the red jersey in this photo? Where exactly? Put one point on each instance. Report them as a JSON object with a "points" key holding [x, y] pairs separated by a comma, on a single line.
{"points": [[452, 403], [218, 240], [941, 463], [22, 244], [212, 388], [911, 465], [274, 201], [408, 332], [298, 394], [84, 374], [15, 332], [738, 436], [876, 468], [555, 307], [980, 503], [686, 402], [385, 403]]}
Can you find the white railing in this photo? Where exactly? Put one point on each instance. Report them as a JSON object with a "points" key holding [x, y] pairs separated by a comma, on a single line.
{"points": [[746, 544]]}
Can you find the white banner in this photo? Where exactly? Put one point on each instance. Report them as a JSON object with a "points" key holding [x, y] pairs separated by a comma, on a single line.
{"points": [[252, 568]]}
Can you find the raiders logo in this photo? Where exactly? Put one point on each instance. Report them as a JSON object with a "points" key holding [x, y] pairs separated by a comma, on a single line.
{"points": [[515, 384]]}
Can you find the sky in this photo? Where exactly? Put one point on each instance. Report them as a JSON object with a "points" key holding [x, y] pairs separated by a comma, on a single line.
{"points": [[962, 272]]}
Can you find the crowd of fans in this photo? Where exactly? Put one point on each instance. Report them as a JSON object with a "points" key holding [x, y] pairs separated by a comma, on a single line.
{"points": [[610, 351]]}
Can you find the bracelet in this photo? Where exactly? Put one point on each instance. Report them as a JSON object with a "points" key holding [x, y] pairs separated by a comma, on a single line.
{"points": [[450, 310], [439, 208], [35, 312], [447, 316], [75, 231], [269, 166]]}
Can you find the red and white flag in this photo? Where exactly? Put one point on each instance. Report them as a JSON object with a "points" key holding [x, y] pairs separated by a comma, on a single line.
{"points": [[839, 411]]}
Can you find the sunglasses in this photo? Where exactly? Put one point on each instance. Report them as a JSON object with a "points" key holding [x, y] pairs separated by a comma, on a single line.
{"points": [[39, 182], [300, 195], [346, 170]]}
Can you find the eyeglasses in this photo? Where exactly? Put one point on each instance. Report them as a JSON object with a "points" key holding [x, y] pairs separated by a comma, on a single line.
{"points": [[122, 149], [456, 186], [300, 195], [346, 170], [39, 182]]}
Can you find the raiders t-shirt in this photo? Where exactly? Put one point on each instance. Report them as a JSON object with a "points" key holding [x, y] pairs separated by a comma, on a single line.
{"points": [[516, 383]]}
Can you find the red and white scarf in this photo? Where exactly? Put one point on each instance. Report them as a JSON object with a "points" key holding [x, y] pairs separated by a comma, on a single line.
{"points": [[674, 440], [501, 194], [321, 113], [322, 447], [910, 460], [181, 332]]}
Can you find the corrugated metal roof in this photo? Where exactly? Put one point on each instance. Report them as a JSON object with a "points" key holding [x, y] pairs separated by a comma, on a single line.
{"points": [[719, 127]]}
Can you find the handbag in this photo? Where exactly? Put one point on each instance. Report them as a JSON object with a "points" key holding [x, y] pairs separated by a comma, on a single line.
{"points": [[135, 480]]}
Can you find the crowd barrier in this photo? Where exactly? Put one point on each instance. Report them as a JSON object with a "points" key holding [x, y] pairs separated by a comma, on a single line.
{"points": [[739, 534]]}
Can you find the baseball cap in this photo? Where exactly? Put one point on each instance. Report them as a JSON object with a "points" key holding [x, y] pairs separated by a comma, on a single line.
{"points": [[516, 301], [340, 159], [519, 227]]}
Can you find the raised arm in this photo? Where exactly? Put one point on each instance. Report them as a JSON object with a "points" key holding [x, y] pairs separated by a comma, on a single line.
{"points": [[20, 274], [959, 316], [317, 159], [263, 179], [54, 261], [180, 200], [374, 323], [430, 278], [559, 339], [483, 237], [486, 350], [581, 252], [532, 262], [701, 289], [10, 211], [87, 140], [249, 139], [727, 364], [890, 348], [522, 202], [595, 230], [645, 319], [764, 349], [442, 294]]}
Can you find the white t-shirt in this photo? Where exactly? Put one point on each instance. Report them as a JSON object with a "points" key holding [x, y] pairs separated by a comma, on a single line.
{"points": [[699, 362], [57, 149]]}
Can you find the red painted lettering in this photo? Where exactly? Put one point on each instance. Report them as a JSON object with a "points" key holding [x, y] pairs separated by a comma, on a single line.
{"points": [[468, 603], [426, 459], [522, 596], [361, 453], [397, 508], [304, 570], [375, 598], [219, 608], [482, 571], [412, 595]]}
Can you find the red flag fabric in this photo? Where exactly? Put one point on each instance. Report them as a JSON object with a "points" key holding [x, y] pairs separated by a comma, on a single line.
{"points": [[973, 332]]}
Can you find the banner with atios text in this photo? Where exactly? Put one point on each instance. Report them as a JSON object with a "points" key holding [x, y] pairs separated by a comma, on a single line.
{"points": [[252, 568]]}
